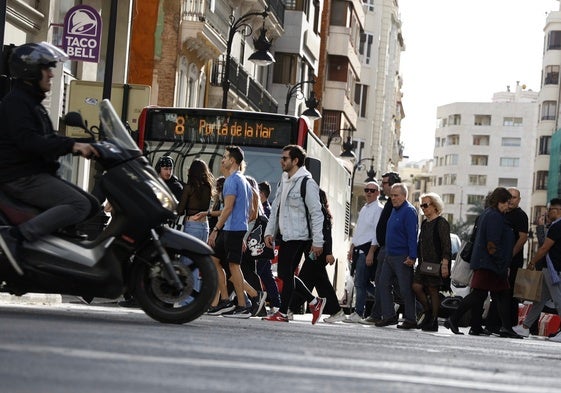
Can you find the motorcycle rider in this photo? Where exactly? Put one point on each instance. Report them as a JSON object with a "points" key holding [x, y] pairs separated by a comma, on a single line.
{"points": [[29, 149]]}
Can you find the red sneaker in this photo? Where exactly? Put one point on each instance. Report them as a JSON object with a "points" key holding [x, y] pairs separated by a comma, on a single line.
{"points": [[317, 309], [276, 317]]}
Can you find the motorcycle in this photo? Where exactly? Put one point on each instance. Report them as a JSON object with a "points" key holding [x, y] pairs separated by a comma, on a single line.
{"points": [[169, 273]]}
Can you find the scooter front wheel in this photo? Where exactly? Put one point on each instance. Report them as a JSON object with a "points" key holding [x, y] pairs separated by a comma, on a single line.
{"points": [[161, 301]]}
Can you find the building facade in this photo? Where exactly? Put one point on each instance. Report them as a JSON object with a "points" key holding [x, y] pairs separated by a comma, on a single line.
{"points": [[482, 145]]}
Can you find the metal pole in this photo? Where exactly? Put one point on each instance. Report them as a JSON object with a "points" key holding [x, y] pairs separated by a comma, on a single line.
{"points": [[110, 53], [235, 25], [2, 28]]}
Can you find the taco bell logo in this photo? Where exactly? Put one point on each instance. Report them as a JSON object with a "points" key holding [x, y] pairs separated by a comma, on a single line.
{"points": [[82, 33]]}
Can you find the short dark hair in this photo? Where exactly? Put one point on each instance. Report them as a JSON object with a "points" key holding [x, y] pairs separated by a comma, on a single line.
{"points": [[265, 188], [555, 201], [295, 151], [499, 195], [393, 177], [236, 153]]}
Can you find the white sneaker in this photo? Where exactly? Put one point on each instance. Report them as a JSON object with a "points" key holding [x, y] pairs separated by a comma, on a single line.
{"points": [[337, 317], [353, 318], [522, 331], [556, 338]]}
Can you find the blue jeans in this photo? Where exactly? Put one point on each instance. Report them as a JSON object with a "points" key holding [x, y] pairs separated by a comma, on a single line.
{"points": [[376, 311], [394, 267], [198, 229], [363, 285]]}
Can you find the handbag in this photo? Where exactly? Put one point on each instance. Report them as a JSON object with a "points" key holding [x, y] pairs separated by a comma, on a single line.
{"points": [[461, 271], [430, 269], [466, 251], [528, 285]]}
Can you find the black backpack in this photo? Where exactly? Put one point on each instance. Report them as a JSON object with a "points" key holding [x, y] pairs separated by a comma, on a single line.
{"points": [[324, 210]]}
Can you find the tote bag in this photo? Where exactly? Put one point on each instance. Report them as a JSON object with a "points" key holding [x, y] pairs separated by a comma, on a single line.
{"points": [[528, 285], [461, 271]]}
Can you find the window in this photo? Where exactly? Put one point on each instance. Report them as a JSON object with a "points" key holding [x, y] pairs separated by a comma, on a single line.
{"points": [[475, 199], [548, 110], [482, 120], [554, 40], [470, 218], [441, 123], [455, 120], [436, 142], [510, 162], [477, 180], [449, 217], [285, 68], [508, 182], [453, 139], [451, 159], [479, 160], [551, 75], [544, 145], [368, 5], [511, 141], [365, 47], [512, 121], [448, 198], [361, 98], [449, 179], [337, 67], [481, 140], [541, 180]]}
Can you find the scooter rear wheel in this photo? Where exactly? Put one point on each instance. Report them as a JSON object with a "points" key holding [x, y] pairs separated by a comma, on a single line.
{"points": [[164, 303]]}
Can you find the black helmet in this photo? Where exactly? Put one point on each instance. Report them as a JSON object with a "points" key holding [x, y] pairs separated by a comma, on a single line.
{"points": [[164, 162], [27, 60]]}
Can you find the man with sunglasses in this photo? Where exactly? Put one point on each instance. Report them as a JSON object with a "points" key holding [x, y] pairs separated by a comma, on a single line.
{"points": [[363, 248]]}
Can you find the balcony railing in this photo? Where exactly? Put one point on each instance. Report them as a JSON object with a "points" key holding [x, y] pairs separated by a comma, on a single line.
{"points": [[198, 10], [244, 86], [277, 7]]}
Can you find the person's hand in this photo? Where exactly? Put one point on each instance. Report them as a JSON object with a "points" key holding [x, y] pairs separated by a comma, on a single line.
{"points": [[531, 266], [85, 150], [212, 238], [444, 270], [316, 250], [370, 259], [350, 255], [330, 259], [269, 241], [409, 262]]}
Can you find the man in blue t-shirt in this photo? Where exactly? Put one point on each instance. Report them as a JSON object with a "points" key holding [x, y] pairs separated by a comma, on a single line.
{"points": [[227, 236], [548, 257]]}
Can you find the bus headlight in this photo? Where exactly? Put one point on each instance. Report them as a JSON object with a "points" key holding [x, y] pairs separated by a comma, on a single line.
{"points": [[164, 196]]}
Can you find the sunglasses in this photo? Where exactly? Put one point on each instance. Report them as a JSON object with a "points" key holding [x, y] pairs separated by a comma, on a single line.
{"points": [[372, 190], [425, 205]]}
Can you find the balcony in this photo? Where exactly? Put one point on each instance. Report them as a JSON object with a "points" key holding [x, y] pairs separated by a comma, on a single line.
{"points": [[243, 86]]}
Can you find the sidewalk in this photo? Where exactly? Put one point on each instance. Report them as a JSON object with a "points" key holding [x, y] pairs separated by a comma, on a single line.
{"points": [[31, 298]]}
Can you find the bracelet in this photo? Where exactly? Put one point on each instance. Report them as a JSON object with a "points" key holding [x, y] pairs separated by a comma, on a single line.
{"points": [[216, 229]]}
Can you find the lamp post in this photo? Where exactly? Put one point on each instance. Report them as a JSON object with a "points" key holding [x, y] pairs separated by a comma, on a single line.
{"points": [[311, 103], [371, 173], [262, 56], [333, 134]]}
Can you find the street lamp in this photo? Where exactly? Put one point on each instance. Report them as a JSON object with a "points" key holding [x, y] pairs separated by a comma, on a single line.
{"points": [[371, 173], [335, 134], [262, 56], [311, 103]]}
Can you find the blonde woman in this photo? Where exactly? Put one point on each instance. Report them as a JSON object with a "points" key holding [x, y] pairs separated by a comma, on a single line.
{"points": [[434, 246]]}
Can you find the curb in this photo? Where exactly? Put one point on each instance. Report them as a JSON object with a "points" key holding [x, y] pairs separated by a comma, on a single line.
{"points": [[31, 299]]}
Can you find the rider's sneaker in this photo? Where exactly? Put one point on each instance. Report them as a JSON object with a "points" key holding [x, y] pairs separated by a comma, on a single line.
{"points": [[317, 308], [10, 245]]}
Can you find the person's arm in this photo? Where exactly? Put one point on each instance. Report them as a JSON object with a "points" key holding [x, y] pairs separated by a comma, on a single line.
{"points": [[541, 253], [226, 211], [519, 245]]}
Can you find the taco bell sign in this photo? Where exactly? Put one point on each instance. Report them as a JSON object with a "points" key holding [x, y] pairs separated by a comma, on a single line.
{"points": [[81, 38]]}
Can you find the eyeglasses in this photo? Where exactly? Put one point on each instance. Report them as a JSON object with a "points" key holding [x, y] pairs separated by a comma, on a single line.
{"points": [[425, 205], [284, 158], [372, 190]]}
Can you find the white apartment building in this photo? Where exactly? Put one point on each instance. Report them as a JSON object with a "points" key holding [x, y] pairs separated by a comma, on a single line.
{"points": [[544, 174], [482, 145]]}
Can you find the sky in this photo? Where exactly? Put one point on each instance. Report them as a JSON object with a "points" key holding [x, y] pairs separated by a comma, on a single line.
{"points": [[464, 51]]}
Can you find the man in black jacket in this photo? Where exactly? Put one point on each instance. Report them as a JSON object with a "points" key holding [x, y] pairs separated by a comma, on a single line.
{"points": [[29, 149]]}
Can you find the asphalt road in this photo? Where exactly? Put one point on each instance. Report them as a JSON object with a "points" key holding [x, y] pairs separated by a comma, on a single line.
{"points": [[79, 348]]}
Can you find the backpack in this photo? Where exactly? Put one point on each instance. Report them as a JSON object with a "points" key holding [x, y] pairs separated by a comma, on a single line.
{"points": [[324, 210]]}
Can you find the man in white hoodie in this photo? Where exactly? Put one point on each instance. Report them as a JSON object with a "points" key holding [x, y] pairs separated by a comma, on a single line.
{"points": [[288, 223]]}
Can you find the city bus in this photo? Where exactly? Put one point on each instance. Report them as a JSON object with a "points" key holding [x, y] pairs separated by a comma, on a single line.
{"points": [[190, 133]]}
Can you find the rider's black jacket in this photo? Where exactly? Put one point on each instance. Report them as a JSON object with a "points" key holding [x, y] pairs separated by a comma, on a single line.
{"points": [[28, 143]]}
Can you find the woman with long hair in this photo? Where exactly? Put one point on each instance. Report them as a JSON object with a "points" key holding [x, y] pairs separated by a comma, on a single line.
{"points": [[195, 200]]}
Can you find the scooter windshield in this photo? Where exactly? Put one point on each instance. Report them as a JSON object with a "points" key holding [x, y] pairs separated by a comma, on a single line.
{"points": [[115, 131]]}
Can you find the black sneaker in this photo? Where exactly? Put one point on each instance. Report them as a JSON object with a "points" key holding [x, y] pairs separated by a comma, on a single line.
{"points": [[222, 307], [9, 246], [258, 302], [242, 312], [388, 321]]}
